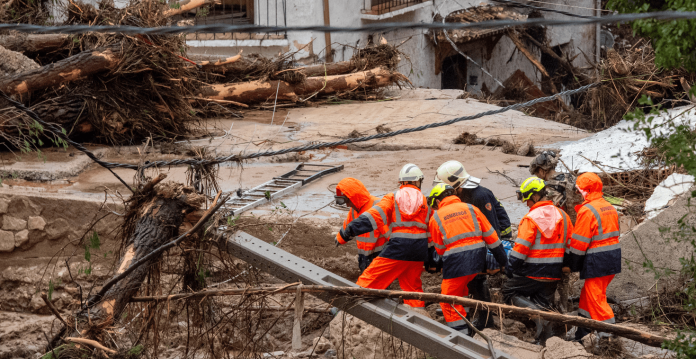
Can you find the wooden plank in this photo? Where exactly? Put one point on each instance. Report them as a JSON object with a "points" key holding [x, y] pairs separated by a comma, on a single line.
{"points": [[297, 325], [327, 35]]}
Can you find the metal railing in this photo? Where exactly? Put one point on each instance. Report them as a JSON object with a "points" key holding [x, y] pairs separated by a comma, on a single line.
{"points": [[239, 12], [378, 7]]}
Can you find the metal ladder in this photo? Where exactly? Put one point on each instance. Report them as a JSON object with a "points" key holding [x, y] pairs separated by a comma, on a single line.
{"points": [[279, 186]]}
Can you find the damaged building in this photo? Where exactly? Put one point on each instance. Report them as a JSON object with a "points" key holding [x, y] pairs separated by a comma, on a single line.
{"points": [[494, 55]]}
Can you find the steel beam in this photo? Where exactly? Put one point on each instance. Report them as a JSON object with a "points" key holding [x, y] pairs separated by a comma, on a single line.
{"points": [[418, 330]]}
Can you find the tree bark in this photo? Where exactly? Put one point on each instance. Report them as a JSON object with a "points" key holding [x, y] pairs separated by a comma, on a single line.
{"points": [[159, 222], [33, 43], [245, 65], [630, 333], [73, 68], [260, 91]]}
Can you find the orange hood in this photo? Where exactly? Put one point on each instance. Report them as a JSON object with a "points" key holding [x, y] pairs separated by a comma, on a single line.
{"points": [[590, 186], [355, 191]]}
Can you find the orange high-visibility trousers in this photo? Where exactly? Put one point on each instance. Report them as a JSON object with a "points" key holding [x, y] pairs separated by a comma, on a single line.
{"points": [[593, 300], [383, 271], [455, 286]]}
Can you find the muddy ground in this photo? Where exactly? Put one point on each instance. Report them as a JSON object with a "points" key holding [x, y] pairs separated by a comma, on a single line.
{"points": [[64, 174]]}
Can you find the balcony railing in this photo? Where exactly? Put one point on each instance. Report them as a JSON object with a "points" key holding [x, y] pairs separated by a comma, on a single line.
{"points": [[239, 12], [379, 7]]}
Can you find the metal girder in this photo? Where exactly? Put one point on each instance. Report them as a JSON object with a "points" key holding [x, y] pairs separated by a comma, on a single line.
{"points": [[389, 316]]}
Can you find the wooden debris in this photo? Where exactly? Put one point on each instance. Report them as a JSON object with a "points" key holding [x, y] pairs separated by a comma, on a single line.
{"points": [[73, 68], [508, 310], [261, 91]]}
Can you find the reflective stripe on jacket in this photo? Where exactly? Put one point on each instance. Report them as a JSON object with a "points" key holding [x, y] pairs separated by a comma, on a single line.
{"points": [[535, 254], [460, 234], [371, 242], [409, 235], [594, 248]]}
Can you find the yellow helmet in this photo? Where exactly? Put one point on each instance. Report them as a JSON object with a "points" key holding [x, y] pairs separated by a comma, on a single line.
{"points": [[529, 187], [437, 191]]}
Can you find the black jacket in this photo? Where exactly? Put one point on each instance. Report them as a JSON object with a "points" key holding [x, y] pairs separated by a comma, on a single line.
{"points": [[484, 199]]}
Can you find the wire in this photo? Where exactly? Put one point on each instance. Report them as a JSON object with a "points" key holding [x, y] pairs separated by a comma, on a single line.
{"points": [[231, 158], [519, 4], [235, 158], [376, 27]]}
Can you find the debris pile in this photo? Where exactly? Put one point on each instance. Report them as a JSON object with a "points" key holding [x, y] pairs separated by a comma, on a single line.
{"points": [[525, 149], [121, 89]]}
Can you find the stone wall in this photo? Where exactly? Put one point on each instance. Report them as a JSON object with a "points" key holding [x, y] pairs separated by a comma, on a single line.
{"points": [[36, 226]]}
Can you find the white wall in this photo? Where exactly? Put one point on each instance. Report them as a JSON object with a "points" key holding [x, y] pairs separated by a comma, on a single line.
{"points": [[502, 62]]}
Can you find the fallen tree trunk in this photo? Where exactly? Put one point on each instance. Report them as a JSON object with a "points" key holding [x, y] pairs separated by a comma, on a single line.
{"points": [[73, 68], [630, 333], [33, 43], [159, 221], [260, 91]]}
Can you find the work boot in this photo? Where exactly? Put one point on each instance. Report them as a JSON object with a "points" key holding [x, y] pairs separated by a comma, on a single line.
{"points": [[581, 333], [464, 329], [439, 312], [544, 328]]}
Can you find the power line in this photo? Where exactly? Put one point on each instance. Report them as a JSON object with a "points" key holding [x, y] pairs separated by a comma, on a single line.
{"points": [[235, 158], [519, 4], [377, 27]]}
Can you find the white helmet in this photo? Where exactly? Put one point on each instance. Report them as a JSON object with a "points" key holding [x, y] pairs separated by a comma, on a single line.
{"points": [[410, 172], [454, 174]]}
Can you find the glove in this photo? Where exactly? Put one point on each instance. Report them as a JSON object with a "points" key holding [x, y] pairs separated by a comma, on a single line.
{"points": [[337, 242], [434, 263], [342, 237], [508, 272]]}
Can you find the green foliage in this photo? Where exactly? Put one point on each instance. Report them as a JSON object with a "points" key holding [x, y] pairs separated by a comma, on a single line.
{"points": [[136, 350], [232, 221], [683, 345], [674, 41], [675, 140]]}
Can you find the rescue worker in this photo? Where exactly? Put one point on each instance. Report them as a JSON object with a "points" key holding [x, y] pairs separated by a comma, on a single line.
{"points": [[352, 192], [536, 260], [461, 234], [406, 213], [594, 250], [559, 186], [469, 190]]}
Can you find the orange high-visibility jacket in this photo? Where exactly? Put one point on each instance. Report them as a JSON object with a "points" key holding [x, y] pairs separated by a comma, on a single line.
{"points": [[460, 234], [370, 243], [541, 242], [409, 232], [594, 248]]}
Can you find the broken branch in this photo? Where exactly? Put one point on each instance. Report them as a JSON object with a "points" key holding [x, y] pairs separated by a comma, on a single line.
{"points": [[516, 40], [92, 343], [52, 308], [260, 91], [630, 333], [73, 68]]}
